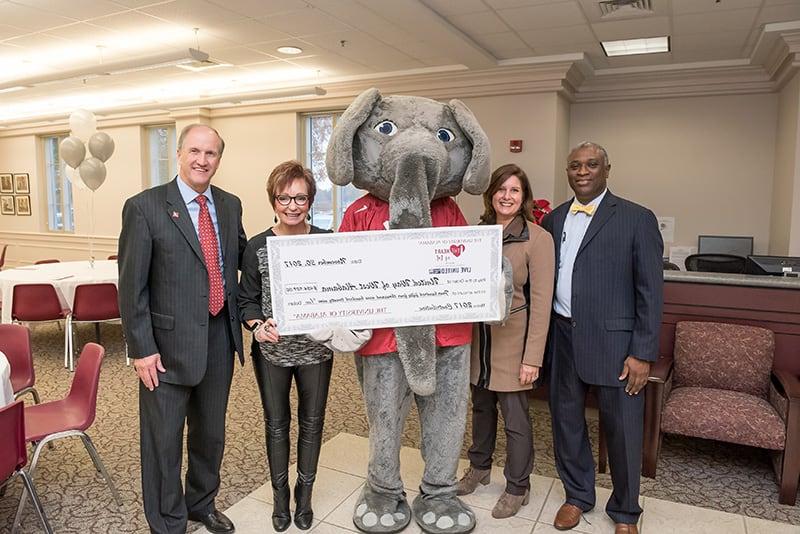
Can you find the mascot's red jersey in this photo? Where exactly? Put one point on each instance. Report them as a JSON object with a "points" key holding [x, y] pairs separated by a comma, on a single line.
{"points": [[372, 213]]}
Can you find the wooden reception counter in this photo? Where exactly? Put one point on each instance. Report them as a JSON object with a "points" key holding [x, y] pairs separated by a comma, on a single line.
{"points": [[771, 302]]}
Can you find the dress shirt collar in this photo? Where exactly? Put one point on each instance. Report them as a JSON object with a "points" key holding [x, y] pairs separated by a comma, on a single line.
{"points": [[188, 194]]}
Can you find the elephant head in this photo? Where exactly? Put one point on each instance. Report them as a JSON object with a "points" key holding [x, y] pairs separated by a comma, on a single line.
{"points": [[409, 151]]}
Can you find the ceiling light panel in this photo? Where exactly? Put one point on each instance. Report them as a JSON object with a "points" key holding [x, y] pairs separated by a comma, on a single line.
{"points": [[630, 47]]}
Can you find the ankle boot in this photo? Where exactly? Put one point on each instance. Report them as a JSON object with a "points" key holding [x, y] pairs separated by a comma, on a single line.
{"points": [[281, 516], [303, 514]]}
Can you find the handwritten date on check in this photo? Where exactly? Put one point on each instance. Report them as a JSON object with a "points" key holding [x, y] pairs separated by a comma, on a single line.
{"points": [[386, 278]]}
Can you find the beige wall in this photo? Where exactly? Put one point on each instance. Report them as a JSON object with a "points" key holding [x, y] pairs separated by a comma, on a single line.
{"points": [[707, 161], [786, 161], [532, 118]]}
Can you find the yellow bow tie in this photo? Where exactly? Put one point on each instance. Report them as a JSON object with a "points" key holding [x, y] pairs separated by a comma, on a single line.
{"points": [[588, 210]]}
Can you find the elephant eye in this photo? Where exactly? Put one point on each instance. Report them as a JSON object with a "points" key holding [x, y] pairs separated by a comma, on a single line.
{"points": [[386, 127], [445, 135]]}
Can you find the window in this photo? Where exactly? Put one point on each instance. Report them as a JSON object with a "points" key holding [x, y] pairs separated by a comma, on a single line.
{"points": [[60, 216], [331, 200], [161, 152]]}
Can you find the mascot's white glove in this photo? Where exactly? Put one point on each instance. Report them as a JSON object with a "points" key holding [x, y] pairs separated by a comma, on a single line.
{"points": [[341, 339]]}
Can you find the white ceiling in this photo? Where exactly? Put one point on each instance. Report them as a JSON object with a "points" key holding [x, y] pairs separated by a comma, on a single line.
{"points": [[341, 39]]}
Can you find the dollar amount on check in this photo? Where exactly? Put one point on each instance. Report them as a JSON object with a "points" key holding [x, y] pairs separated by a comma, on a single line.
{"points": [[386, 278]]}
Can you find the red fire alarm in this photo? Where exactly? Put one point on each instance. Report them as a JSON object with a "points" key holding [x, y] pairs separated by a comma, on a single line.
{"points": [[515, 145]]}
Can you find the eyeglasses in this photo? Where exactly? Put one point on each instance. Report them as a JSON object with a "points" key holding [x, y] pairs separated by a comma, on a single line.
{"points": [[285, 200]]}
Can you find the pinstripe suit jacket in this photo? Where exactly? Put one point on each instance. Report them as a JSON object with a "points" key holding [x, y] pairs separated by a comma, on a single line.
{"points": [[617, 288], [163, 282]]}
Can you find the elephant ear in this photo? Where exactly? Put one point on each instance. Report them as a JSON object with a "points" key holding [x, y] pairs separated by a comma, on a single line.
{"points": [[339, 159], [476, 177]]}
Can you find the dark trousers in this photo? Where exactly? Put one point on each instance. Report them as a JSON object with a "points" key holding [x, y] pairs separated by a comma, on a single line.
{"points": [[274, 384], [519, 435], [622, 418], [163, 413]]}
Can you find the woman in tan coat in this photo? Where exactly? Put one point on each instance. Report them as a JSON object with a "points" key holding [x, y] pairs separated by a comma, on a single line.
{"points": [[506, 358]]}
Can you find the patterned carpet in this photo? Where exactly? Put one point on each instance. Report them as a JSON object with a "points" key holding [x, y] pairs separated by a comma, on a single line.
{"points": [[697, 472]]}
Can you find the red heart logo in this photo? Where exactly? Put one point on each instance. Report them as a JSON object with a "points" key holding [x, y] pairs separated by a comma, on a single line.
{"points": [[457, 250]]}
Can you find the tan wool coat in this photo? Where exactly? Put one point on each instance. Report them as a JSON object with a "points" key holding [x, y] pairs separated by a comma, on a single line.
{"points": [[499, 350]]}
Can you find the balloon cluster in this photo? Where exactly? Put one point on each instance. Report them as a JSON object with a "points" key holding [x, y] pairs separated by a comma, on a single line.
{"points": [[91, 170]]}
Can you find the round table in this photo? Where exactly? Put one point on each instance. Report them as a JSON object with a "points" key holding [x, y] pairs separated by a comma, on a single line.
{"points": [[64, 276]]}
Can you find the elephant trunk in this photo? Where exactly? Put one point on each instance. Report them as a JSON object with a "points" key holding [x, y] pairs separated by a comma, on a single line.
{"points": [[418, 171]]}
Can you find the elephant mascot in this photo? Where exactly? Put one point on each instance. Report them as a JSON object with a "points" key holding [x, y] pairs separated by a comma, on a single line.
{"points": [[411, 155]]}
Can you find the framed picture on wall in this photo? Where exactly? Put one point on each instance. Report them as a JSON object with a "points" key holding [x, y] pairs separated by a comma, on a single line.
{"points": [[23, 204], [6, 205], [6, 183], [22, 185]]}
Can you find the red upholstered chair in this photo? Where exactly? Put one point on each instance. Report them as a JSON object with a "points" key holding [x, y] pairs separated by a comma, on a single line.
{"points": [[720, 385], [14, 457], [15, 343], [70, 416], [32, 303], [52, 260], [93, 303]]}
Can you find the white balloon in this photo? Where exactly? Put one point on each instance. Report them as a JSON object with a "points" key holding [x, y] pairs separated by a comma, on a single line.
{"points": [[72, 151], [93, 173], [74, 178], [101, 146], [83, 124]]}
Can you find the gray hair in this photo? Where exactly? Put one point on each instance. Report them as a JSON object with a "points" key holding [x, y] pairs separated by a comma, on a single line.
{"points": [[599, 148], [190, 127]]}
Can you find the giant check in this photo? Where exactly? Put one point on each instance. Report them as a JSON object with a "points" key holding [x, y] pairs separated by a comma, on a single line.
{"points": [[386, 278]]}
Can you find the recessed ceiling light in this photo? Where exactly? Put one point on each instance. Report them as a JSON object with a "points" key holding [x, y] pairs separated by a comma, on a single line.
{"points": [[291, 50], [630, 47]]}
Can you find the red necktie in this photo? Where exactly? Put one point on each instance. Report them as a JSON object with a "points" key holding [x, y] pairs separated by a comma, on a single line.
{"points": [[208, 242]]}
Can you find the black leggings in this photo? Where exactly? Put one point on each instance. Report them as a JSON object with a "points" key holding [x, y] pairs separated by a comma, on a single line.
{"points": [[274, 384]]}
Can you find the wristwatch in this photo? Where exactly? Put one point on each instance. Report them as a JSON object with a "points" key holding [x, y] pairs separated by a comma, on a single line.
{"points": [[255, 325]]}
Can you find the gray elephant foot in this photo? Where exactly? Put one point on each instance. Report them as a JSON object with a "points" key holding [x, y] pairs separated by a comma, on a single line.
{"points": [[443, 515], [381, 513]]}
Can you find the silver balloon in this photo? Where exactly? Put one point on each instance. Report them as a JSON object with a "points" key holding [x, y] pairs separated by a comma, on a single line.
{"points": [[72, 151], [93, 173], [101, 146], [73, 175], [83, 124]]}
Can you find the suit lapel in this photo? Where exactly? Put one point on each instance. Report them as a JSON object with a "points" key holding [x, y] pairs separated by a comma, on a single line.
{"points": [[605, 211], [223, 212], [177, 212], [559, 216]]}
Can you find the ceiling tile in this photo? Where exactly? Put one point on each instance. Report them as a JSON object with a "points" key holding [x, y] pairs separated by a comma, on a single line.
{"points": [[241, 55], [478, 23], [690, 55], [307, 22], [247, 31], [333, 65], [30, 18], [631, 28], [7, 32], [501, 41], [259, 8], [567, 48], [737, 19], [74, 9], [461, 7], [82, 32], [505, 4], [544, 16], [683, 7], [731, 41], [557, 36], [193, 13], [780, 13]]}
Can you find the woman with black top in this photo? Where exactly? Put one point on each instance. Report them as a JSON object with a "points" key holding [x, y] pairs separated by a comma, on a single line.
{"points": [[277, 359]]}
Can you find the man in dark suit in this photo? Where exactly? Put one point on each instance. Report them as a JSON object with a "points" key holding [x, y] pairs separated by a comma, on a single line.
{"points": [[604, 333], [179, 253]]}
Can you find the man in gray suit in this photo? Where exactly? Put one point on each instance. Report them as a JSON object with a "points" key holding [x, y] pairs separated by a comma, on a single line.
{"points": [[604, 333], [179, 253]]}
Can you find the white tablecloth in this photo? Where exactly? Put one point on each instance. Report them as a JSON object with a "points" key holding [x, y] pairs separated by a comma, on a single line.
{"points": [[6, 392], [64, 276]]}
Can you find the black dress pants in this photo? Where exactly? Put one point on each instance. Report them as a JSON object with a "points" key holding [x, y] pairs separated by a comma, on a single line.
{"points": [[519, 435], [274, 385], [163, 414], [622, 417]]}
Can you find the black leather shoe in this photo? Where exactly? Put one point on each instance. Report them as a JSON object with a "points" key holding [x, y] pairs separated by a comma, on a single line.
{"points": [[214, 522]]}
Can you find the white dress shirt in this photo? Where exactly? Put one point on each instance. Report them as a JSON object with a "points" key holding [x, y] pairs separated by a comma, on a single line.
{"points": [[575, 226]]}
